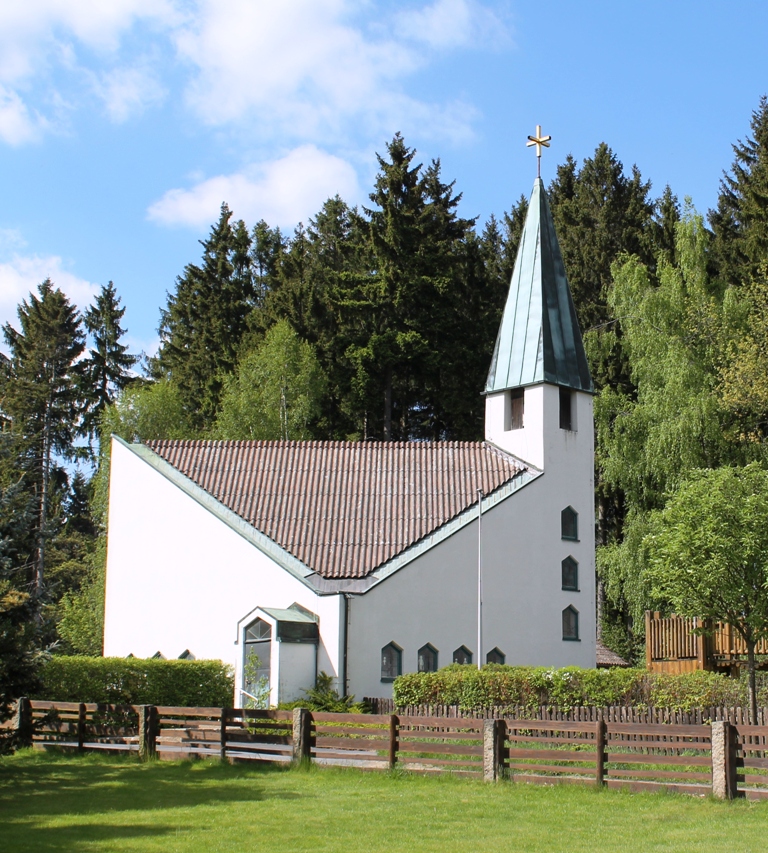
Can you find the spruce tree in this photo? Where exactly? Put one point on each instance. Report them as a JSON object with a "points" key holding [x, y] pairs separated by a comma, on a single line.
{"points": [[106, 371], [740, 221], [42, 398], [205, 319]]}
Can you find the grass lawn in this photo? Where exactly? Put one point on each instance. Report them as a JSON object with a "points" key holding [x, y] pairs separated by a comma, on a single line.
{"points": [[86, 803]]}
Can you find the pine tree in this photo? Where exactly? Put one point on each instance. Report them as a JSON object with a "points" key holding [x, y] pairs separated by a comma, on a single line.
{"points": [[41, 397], [205, 319], [740, 222], [107, 368]]}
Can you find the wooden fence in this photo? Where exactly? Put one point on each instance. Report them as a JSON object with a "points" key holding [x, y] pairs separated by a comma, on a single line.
{"points": [[726, 758], [676, 644], [580, 713]]}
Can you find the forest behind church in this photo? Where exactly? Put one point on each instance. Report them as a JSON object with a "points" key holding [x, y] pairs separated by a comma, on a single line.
{"points": [[379, 323]]}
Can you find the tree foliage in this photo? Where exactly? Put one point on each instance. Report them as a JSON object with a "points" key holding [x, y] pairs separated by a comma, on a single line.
{"points": [[707, 553], [204, 320], [107, 369], [740, 221], [277, 391], [42, 397], [674, 335]]}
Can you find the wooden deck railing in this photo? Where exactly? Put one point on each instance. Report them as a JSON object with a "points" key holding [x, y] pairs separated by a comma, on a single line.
{"points": [[672, 644]]}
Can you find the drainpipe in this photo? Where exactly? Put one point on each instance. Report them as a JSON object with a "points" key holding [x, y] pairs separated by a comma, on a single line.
{"points": [[479, 578], [345, 671]]}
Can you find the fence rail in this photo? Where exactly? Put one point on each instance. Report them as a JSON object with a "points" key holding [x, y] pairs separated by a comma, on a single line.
{"points": [[724, 757], [581, 713]]}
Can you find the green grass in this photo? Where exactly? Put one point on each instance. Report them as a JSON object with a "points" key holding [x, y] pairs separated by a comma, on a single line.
{"points": [[94, 803]]}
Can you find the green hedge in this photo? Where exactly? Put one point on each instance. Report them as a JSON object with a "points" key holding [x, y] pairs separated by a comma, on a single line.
{"points": [[133, 681], [532, 687]]}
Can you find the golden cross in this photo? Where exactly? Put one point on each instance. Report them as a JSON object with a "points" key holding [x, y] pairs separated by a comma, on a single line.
{"points": [[538, 141]]}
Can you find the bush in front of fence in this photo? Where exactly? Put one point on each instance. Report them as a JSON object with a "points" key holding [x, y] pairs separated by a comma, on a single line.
{"points": [[134, 681], [497, 686]]}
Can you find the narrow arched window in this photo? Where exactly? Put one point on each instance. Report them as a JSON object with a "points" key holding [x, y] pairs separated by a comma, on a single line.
{"points": [[462, 655], [569, 523], [391, 662], [495, 656], [570, 623], [428, 658], [570, 573]]}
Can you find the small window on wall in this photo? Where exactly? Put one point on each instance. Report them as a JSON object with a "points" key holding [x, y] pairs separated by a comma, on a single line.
{"points": [[570, 574], [495, 656], [569, 523], [391, 662], [428, 658], [516, 408], [462, 655], [566, 413], [570, 623]]}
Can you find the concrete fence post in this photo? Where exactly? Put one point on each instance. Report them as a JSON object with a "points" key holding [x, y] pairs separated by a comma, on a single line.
{"points": [[23, 722], [147, 731], [302, 735], [723, 760], [394, 740], [494, 735]]}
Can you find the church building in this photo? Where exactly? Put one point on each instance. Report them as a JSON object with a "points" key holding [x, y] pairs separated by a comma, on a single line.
{"points": [[371, 559]]}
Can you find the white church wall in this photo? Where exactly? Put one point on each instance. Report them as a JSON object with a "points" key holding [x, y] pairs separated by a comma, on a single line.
{"points": [[434, 599], [179, 578]]}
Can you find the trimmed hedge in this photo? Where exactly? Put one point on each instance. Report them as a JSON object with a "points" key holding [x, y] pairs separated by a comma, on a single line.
{"points": [[133, 681], [531, 687]]}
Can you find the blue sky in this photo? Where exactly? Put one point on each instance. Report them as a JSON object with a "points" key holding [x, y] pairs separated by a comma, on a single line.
{"points": [[125, 124]]}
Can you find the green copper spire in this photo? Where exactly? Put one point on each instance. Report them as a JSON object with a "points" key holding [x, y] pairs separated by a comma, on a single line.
{"points": [[539, 338]]}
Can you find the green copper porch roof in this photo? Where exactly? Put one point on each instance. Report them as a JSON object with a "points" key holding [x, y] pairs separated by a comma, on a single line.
{"points": [[539, 338]]}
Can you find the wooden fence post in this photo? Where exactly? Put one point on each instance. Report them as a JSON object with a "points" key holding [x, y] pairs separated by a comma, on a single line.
{"points": [[723, 760], [600, 744], [147, 731], [394, 740], [24, 727], [82, 716], [494, 735], [223, 733], [302, 735]]}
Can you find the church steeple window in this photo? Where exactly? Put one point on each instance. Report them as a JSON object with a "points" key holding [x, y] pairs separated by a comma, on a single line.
{"points": [[566, 409], [515, 409], [569, 524]]}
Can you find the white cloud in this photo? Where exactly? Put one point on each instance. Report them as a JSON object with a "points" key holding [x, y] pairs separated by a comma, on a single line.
{"points": [[297, 60], [301, 70], [29, 28], [41, 43], [451, 24], [17, 126], [127, 92], [283, 191], [21, 275]]}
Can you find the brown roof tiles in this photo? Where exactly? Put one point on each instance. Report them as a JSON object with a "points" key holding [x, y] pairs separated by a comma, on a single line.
{"points": [[342, 508]]}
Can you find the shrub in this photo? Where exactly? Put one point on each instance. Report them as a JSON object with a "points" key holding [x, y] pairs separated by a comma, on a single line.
{"points": [[133, 681], [531, 687]]}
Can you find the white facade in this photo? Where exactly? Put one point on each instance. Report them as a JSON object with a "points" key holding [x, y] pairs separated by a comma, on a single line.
{"points": [[179, 577]]}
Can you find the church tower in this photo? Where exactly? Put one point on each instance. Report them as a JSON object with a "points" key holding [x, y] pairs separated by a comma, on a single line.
{"points": [[539, 390]]}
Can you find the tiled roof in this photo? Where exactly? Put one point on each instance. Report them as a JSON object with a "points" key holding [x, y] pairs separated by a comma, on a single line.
{"points": [[342, 508], [605, 657]]}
